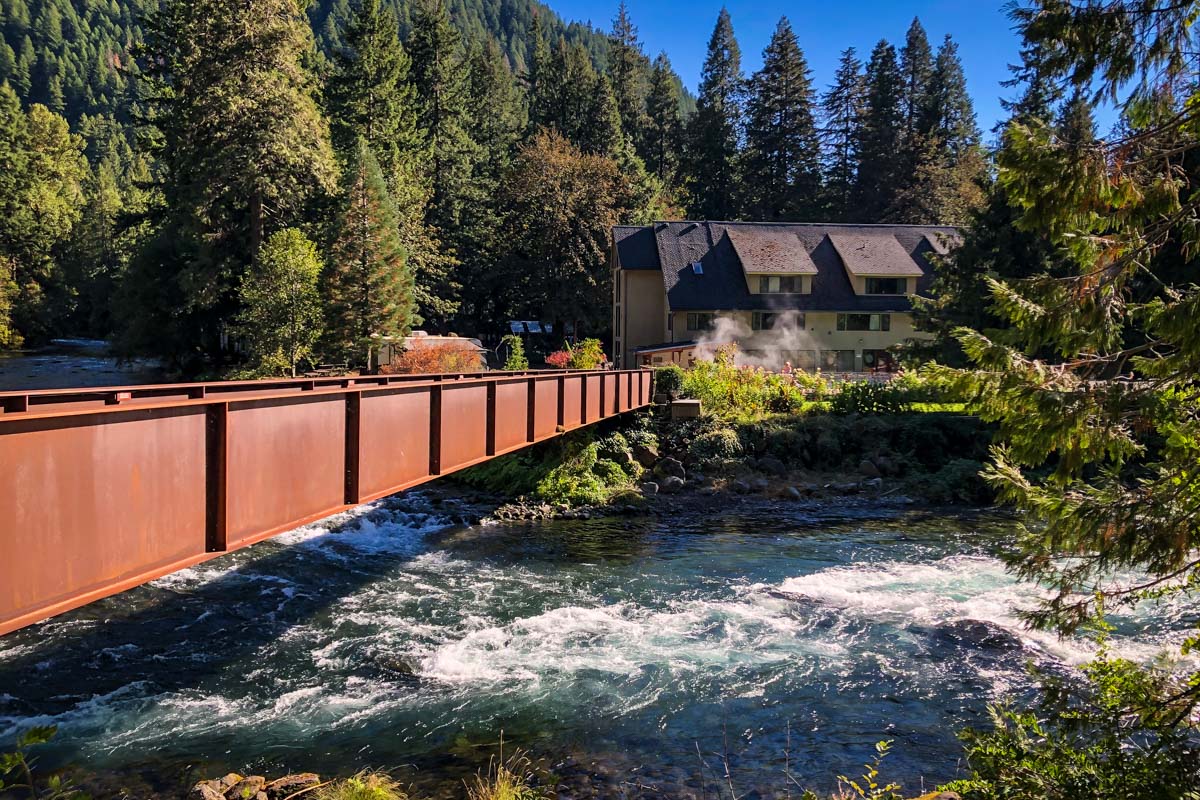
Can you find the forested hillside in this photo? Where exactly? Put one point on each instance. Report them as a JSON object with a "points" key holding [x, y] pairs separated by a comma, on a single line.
{"points": [[444, 163]]}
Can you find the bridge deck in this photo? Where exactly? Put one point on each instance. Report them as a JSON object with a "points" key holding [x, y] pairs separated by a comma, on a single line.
{"points": [[105, 489]]}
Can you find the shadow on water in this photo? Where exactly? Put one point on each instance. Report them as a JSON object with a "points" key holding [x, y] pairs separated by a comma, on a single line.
{"points": [[207, 626]]}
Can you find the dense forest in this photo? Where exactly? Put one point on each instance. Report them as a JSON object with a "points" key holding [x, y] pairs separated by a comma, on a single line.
{"points": [[451, 165]]}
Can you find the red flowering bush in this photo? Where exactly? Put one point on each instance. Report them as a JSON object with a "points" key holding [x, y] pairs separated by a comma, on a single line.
{"points": [[435, 358], [559, 359]]}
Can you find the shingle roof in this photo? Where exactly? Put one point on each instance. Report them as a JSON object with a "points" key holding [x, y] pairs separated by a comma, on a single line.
{"points": [[770, 249], [635, 247], [872, 253], [722, 285]]}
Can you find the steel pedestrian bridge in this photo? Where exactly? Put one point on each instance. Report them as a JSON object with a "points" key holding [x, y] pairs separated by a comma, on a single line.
{"points": [[106, 489]]}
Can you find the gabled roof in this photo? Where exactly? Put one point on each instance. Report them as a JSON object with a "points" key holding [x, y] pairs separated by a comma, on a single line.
{"points": [[722, 285], [770, 249], [874, 253], [635, 247]]}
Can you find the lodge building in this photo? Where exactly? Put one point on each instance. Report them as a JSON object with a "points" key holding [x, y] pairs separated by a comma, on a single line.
{"points": [[831, 296]]}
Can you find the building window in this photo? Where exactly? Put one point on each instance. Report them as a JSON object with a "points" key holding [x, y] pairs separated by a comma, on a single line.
{"points": [[762, 321], [887, 285], [864, 322], [699, 321], [765, 320], [779, 284]]}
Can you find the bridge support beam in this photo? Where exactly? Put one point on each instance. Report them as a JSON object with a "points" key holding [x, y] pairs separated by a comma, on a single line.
{"points": [[99, 496]]}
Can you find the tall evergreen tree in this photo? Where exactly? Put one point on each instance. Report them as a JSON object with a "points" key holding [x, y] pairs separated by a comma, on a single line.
{"points": [[442, 78], [664, 125], [944, 160], [498, 122], [916, 72], [879, 137], [627, 72], [714, 137], [782, 171], [842, 108], [242, 147], [369, 285], [539, 79], [369, 93]]}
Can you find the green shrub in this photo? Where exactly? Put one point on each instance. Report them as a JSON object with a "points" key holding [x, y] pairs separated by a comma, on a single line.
{"points": [[958, 481], [610, 472], [363, 786], [1122, 733], [714, 446], [865, 397], [669, 380], [516, 361]]}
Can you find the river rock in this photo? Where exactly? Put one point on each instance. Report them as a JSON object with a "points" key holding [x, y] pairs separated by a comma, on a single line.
{"points": [[739, 486], [792, 493], [214, 789], [670, 467], [246, 788], [977, 634], [868, 468], [772, 465], [843, 488], [761, 484], [645, 454], [671, 484], [649, 488], [206, 790], [290, 784], [873, 483]]}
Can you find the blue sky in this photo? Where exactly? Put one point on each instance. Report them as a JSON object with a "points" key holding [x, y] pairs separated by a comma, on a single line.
{"points": [[986, 41]]}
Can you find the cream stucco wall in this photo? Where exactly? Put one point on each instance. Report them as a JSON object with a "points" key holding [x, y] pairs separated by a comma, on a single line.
{"points": [[640, 312]]}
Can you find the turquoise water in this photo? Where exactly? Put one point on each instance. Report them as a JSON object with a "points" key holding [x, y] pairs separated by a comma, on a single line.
{"points": [[649, 654]]}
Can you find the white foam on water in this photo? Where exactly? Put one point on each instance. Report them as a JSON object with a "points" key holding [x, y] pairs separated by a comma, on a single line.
{"points": [[951, 589]]}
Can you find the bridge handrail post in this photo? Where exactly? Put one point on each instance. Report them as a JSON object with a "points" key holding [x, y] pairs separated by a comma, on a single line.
{"points": [[216, 478]]}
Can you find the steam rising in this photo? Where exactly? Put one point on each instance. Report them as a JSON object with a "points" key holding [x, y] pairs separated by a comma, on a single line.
{"points": [[767, 349]]}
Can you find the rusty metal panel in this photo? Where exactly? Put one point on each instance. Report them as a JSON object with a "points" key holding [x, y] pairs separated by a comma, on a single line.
{"points": [[572, 401], [545, 422], [394, 442], [96, 500], [286, 463], [464, 424], [112, 487], [512, 412], [593, 398], [610, 394]]}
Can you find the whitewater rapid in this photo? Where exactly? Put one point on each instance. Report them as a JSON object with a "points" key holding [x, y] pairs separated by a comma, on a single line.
{"points": [[388, 635]]}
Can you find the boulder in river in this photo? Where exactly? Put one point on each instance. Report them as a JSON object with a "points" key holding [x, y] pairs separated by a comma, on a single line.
{"points": [[670, 484], [649, 488], [645, 454], [246, 788], [214, 789], [670, 467], [976, 634], [772, 465], [869, 470]]}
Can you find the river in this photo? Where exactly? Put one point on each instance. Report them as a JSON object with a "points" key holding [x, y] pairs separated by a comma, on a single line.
{"points": [[640, 654]]}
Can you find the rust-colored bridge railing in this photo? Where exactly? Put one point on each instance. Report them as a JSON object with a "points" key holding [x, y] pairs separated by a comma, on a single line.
{"points": [[105, 489]]}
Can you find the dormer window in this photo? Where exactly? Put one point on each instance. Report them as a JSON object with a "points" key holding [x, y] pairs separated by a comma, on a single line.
{"points": [[779, 284], [886, 286], [697, 268]]}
